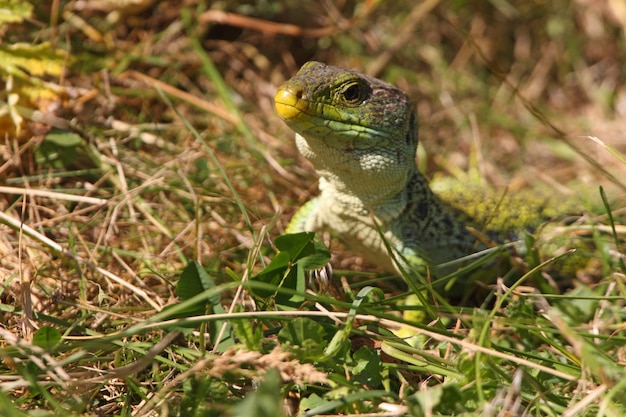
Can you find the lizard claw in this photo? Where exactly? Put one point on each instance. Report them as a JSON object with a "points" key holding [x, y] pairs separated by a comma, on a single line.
{"points": [[319, 279]]}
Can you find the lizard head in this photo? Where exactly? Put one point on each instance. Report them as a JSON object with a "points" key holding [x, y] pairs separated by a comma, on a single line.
{"points": [[359, 132], [350, 110]]}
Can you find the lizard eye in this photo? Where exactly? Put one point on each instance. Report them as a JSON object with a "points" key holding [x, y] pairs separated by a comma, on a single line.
{"points": [[352, 93]]}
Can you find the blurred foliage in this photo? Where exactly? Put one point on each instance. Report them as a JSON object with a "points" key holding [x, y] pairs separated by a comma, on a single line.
{"points": [[23, 67]]}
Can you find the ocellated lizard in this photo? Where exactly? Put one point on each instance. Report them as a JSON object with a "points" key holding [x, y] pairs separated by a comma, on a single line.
{"points": [[361, 135]]}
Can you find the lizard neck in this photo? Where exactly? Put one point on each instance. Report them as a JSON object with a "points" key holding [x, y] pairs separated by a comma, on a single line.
{"points": [[362, 181]]}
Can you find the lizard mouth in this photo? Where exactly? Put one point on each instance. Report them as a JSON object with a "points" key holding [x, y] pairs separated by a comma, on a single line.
{"points": [[289, 103], [323, 122]]}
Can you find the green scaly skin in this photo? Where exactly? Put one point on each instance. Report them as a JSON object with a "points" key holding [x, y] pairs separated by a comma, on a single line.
{"points": [[360, 133]]}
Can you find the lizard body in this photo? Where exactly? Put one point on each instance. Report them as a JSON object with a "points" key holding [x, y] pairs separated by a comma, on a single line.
{"points": [[361, 135]]}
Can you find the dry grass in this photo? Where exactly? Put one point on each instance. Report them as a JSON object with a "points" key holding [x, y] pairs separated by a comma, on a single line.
{"points": [[93, 244]]}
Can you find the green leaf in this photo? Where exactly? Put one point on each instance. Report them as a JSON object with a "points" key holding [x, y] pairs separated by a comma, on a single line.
{"points": [[303, 337], [189, 311], [296, 281], [368, 368], [435, 400], [60, 148], [298, 254], [227, 337], [314, 256], [47, 338], [64, 138], [304, 249], [294, 243], [249, 334], [359, 396], [300, 329], [193, 280], [266, 401], [272, 274], [312, 401]]}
